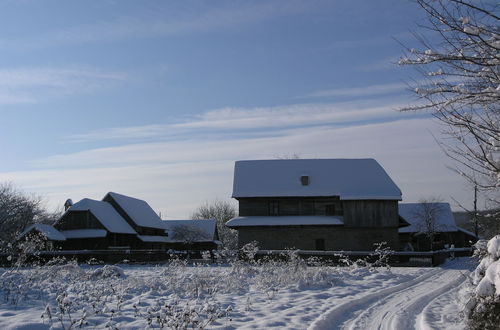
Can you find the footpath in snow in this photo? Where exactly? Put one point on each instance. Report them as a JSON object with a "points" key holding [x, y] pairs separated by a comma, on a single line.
{"points": [[429, 301]]}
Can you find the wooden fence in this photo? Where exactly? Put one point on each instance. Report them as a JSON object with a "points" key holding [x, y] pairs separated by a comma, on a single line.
{"points": [[431, 258], [394, 258]]}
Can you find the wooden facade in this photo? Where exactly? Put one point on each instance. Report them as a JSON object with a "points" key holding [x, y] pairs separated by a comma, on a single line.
{"points": [[366, 222], [371, 213], [318, 238], [271, 206], [78, 220], [84, 220], [356, 213]]}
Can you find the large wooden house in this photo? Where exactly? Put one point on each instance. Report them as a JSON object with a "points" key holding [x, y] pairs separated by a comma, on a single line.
{"points": [[315, 204]]}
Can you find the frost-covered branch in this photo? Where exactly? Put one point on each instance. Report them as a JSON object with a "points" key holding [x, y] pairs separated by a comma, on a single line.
{"points": [[461, 82]]}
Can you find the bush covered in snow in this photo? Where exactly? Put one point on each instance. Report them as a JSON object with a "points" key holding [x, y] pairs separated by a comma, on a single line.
{"points": [[483, 308], [177, 295]]}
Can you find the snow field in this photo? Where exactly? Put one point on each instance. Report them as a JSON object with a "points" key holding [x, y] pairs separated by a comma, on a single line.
{"points": [[286, 295]]}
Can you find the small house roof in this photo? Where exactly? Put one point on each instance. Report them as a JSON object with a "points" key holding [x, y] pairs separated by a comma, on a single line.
{"points": [[293, 220], [207, 228], [415, 213], [467, 232], [106, 214], [138, 210], [347, 178], [84, 233], [47, 230]]}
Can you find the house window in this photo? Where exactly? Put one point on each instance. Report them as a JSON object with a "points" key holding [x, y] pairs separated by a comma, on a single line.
{"points": [[304, 180], [330, 209], [274, 208], [319, 244]]}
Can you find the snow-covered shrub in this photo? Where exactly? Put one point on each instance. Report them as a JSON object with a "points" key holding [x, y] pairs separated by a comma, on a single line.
{"points": [[382, 253], [483, 308], [176, 315], [108, 271], [249, 250]]}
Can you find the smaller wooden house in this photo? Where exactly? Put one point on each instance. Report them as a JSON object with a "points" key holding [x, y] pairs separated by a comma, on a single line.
{"points": [[116, 222], [193, 235], [120, 222], [431, 221], [42, 236]]}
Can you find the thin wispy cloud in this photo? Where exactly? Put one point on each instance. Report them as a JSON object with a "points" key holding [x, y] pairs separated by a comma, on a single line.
{"points": [[371, 90], [288, 116], [34, 84], [200, 147], [233, 119]]}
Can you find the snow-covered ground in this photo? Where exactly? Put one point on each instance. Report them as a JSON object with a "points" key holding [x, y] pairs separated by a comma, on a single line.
{"points": [[238, 296]]}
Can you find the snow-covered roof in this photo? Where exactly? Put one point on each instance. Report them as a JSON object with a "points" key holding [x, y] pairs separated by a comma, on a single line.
{"points": [[150, 238], [139, 211], [47, 230], [415, 214], [84, 233], [106, 214], [205, 227], [293, 220], [347, 178]]}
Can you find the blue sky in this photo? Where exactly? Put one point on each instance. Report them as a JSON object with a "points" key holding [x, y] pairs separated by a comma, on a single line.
{"points": [[157, 99]]}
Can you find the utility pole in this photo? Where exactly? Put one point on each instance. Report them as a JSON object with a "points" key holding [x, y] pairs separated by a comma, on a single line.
{"points": [[474, 216]]}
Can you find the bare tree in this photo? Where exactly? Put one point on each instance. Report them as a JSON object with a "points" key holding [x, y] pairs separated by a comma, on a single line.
{"points": [[428, 212], [17, 211], [461, 82], [287, 156], [221, 211], [189, 234]]}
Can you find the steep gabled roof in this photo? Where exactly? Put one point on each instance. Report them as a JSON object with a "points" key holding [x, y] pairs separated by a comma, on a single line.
{"points": [[106, 215], [414, 214], [349, 179], [47, 230], [138, 210]]}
